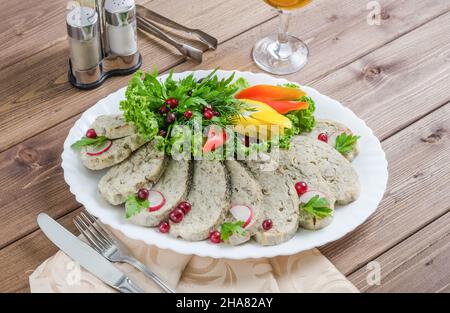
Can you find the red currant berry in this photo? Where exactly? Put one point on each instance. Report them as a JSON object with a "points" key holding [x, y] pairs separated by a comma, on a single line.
{"points": [[323, 137], [142, 194], [164, 227], [170, 118], [301, 188], [267, 224], [208, 114], [172, 102], [176, 215], [91, 133], [185, 207], [187, 115], [214, 237], [163, 110]]}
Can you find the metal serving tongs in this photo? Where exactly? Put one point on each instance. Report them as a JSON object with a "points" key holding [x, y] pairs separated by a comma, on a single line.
{"points": [[152, 16], [191, 52]]}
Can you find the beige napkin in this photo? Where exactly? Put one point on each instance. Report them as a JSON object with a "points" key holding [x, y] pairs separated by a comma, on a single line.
{"points": [[308, 271]]}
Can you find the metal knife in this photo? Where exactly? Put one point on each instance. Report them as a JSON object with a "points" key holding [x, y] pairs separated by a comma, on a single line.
{"points": [[87, 257]]}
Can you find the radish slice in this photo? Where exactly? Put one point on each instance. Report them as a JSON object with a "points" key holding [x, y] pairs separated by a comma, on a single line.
{"points": [[242, 213], [102, 149], [304, 198], [156, 200]]}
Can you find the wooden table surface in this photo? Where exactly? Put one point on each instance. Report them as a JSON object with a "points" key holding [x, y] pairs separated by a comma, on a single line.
{"points": [[395, 76]]}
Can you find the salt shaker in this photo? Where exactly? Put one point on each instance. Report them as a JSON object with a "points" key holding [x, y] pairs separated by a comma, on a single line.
{"points": [[84, 39], [121, 36]]}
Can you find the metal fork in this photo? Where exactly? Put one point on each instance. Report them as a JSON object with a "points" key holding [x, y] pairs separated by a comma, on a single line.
{"points": [[105, 244]]}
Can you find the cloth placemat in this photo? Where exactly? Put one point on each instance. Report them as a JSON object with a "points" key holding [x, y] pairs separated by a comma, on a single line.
{"points": [[307, 271]]}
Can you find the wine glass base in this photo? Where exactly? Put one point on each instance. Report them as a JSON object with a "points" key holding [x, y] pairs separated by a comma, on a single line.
{"points": [[282, 59]]}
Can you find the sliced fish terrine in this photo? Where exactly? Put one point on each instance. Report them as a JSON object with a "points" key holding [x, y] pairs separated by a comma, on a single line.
{"points": [[245, 192], [173, 185], [210, 199], [142, 169], [333, 129]]}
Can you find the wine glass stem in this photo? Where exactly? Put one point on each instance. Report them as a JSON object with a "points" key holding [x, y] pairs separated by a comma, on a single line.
{"points": [[283, 50]]}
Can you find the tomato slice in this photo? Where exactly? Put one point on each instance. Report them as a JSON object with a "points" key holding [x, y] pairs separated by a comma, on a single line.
{"points": [[216, 139]]}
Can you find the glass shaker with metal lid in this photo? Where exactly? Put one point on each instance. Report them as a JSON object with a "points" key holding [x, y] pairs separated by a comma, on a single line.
{"points": [[120, 18], [84, 38]]}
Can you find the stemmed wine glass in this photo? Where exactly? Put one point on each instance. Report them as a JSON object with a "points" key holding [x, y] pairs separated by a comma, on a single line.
{"points": [[282, 54]]}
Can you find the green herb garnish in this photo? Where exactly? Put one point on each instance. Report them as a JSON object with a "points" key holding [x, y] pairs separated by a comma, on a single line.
{"points": [[85, 141], [134, 205], [318, 207], [228, 229], [303, 120], [146, 94], [346, 142], [291, 85]]}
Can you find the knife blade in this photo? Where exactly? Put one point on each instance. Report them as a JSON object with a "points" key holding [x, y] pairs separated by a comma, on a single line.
{"points": [[87, 257]]}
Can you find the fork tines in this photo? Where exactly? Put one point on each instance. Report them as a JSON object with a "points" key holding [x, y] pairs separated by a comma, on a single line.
{"points": [[97, 236]]}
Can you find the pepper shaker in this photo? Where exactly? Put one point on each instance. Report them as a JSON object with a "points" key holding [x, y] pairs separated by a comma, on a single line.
{"points": [[84, 44]]}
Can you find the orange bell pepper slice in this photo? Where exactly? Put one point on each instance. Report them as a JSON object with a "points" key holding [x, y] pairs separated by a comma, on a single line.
{"points": [[216, 138], [269, 92], [284, 107]]}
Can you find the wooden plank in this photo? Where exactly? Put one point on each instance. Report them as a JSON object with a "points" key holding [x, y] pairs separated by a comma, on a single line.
{"points": [[34, 164], [390, 220], [418, 192], [391, 80], [336, 32], [418, 264], [64, 202], [19, 260], [31, 180], [36, 95], [31, 26]]}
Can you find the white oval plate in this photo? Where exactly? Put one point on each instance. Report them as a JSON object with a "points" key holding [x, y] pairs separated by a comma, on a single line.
{"points": [[371, 166]]}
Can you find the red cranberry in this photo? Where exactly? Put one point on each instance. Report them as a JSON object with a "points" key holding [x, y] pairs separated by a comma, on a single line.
{"points": [[142, 194], [208, 114], [162, 133], [164, 227], [172, 102], [163, 110], [323, 137], [91, 133], [187, 115], [207, 108], [176, 215], [170, 118], [267, 224], [215, 113], [214, 236], [185, 207], [301, 188]]}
